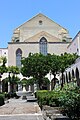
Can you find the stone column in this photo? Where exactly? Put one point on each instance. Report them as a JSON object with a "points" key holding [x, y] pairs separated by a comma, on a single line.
{"points": [[35, 88], [8, 86], [29, 88], [50, 86], [19, 87]]}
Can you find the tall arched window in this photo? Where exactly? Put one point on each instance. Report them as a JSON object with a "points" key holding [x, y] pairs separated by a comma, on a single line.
{"points": [[43, 46], [18, 57]]}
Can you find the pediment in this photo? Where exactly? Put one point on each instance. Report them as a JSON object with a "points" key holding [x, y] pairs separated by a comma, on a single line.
{"points": [[36, 21], [38, 26], [37, 37]]}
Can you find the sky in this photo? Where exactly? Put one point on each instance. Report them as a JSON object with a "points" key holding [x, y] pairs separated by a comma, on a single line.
{"points": [[13, 13]]}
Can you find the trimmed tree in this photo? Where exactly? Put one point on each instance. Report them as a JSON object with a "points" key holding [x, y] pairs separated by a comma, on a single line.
{"points": [[35, 65]]}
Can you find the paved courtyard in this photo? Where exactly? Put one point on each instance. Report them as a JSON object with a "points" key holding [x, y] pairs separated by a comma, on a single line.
{"points": [[18, 109]]}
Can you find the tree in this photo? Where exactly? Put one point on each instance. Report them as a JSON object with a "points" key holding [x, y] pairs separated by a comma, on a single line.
{"points": [[3, 67], [14, 70], [53, 63], [35, 65]]}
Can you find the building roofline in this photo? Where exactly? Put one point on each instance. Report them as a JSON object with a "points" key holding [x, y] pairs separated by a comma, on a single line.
{"points": [[74, 39], [44, 16]]}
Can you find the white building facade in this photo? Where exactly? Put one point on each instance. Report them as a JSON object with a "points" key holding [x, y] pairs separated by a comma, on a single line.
{"points": [[74, 46], [42, 35], [38, 35], [73, 72]]}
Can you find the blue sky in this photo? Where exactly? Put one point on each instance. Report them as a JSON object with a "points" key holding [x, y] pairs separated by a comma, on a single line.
{"points": [[15, 12]]}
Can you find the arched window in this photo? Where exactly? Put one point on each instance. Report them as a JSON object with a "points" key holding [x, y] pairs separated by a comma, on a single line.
{"points": [[43, 46], [18, 57]]}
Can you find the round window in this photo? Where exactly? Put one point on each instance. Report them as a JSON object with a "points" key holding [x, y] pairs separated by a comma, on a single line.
{"points": [[40, 22]]}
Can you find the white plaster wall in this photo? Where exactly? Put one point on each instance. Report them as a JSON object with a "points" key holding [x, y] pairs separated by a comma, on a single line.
{"points": [[26, 49], [56, 48], [74, 47]]}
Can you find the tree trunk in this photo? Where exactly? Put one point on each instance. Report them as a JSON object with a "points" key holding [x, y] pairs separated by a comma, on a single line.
{"points": [[62, 80], [54, 80]]}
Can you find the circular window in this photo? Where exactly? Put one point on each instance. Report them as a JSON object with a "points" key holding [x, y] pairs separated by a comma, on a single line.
{"points": [[40, 22]]}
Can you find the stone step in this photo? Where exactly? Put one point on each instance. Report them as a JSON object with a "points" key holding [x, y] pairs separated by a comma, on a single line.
{"points": [[59, 117], [31, 99], [53, 113]]}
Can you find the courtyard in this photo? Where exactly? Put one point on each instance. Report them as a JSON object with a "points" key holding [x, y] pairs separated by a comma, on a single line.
{"points": [[18, 109]]}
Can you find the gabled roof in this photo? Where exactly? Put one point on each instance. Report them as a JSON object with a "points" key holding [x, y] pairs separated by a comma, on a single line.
{"points": [[40, 14], [38, 36]]}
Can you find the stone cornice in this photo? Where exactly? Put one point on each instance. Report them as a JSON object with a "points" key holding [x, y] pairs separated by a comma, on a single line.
{"points": [[38, 42]]}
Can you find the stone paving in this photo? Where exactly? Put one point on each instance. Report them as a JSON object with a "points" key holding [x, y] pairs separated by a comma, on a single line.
{"points": [[18, 109]]}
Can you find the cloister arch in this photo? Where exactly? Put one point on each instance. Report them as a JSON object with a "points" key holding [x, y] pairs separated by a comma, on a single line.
{"points": [[73, 75], [66, 77], [77, 76], [69, 74]]}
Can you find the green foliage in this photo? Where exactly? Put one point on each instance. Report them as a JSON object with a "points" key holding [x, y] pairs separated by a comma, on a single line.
{"points": [[35, 65], [13, 69], [48, 98], [66, 60], [70, 102], [3, 60], [23, 81], [67, 99], [10, 95], [7, 95], [1, 99], [38, 66], [3, 67], [14, 79], [53, 63], [31, 81]]}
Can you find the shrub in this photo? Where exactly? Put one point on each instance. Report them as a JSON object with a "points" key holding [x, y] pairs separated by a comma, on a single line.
{"points": [[1, 99], [70, 102], [12, 95], [47, 98], [7, 95], [67, 99]]}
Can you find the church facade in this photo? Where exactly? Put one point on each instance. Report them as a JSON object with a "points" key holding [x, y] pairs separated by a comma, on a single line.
{"points": [[42, 35], [38, 35]]}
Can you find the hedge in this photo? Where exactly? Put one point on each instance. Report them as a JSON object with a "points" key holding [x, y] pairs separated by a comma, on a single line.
{"points": [[67, 99], [2, 99]]}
